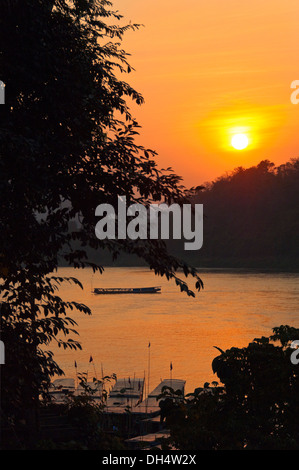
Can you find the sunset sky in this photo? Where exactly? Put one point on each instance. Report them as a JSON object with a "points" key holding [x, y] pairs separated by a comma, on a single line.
{"points": [[212, 69]]}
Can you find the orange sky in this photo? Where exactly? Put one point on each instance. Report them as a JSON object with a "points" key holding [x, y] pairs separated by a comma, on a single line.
{"points": [[208, 69]]}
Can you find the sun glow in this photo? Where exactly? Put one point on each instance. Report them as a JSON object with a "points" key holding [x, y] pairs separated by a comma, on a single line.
{"points": [[240, 141], [215, 133]]}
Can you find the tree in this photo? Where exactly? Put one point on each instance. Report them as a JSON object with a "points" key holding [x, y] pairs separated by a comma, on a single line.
{"points": [[256, 405], [66, 146], [251, 218]]}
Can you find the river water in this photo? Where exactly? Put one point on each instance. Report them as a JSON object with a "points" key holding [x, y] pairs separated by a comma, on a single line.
{"points": [[234, 308]]}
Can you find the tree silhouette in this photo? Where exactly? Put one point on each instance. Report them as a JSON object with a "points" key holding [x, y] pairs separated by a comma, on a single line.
{"points": [[256, 405], [251, 218], [66, 145]]}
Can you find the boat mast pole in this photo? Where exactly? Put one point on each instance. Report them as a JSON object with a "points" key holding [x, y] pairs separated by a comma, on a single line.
{"points": [[148, 374]]}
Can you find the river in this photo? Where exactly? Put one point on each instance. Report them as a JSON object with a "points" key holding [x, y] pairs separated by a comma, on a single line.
{"points": [[234, 308]]}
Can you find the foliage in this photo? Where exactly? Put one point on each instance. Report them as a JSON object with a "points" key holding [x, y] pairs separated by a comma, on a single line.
{"points": [[84, 419], [85, 414], [251, 218], [66, 145], [256, 405]]}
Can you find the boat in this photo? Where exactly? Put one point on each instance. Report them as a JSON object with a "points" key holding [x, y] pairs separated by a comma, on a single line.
{"points": [[130, 290]]}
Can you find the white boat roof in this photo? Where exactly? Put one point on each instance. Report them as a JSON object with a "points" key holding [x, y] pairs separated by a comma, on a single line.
{"points": [[64, 383], [92, 385], [151, 405], [175, 384], [127, 387], [125, 392], [97, 389]]}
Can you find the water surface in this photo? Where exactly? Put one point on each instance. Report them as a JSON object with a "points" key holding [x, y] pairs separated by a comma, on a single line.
{"points": [[234, 308]]}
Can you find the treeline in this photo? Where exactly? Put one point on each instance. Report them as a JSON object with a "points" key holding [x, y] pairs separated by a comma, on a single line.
{"points": [[251, 218]]}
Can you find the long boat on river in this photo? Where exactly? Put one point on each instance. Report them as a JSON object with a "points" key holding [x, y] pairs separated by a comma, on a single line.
{"points": [[128, 290]]}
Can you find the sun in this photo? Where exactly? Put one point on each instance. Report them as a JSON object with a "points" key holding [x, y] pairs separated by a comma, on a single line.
{"points": [[240, 141]]}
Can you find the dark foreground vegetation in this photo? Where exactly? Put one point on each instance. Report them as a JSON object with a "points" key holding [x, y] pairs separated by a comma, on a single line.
{"points": [[255, 407]]}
